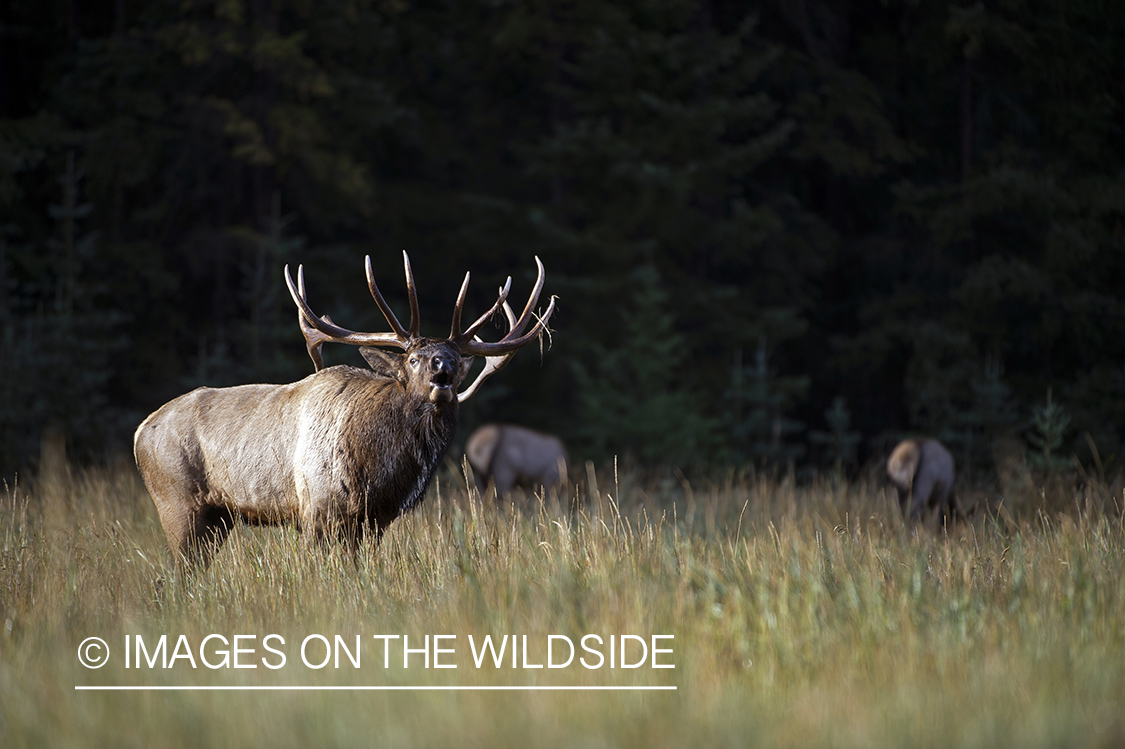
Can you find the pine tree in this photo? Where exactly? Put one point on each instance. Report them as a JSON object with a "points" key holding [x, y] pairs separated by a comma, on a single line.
{"points": [[763, 431], [1049, 426], [839, 441], [634, 398]]}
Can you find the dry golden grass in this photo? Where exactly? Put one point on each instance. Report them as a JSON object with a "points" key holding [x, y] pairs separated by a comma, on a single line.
{"points": [[801, 615]]}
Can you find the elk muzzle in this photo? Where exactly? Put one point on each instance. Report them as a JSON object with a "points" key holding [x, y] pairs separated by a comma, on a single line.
{"points": [[443, 378]]}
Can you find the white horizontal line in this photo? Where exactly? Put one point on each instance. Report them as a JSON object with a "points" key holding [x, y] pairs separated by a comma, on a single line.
{"points": [[295, 688]]}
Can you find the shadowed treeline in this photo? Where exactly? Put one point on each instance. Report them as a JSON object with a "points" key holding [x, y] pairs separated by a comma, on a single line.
{"points": [[780, 232]]}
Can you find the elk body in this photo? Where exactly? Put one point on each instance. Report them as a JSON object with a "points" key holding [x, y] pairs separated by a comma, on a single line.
{"points": [[923, 473], [512, 455], [341, 452]]}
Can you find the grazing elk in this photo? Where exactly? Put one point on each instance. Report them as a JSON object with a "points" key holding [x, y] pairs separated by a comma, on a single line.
{"points": [[512, 455], [340, 452], [922, 472]]}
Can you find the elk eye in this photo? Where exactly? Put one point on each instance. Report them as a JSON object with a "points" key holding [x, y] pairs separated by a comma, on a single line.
{"points": [[413, 362]]}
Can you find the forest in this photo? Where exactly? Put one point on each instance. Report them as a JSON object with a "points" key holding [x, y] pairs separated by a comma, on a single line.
{"points": [[781, 233]]}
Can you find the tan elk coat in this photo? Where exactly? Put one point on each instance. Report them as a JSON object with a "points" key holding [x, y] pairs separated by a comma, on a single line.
{"points": [[922, 471], [510, 455]]}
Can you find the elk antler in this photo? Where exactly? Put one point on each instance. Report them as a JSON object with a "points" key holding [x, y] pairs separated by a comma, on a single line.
{"points": [[321, 330], [314, 339], [513, 340], [492, 364], [455, 333], [385, 308], [497, 355]]}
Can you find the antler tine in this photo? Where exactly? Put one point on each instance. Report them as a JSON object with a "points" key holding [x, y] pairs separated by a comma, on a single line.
{"points": [[314, 339], [329, 332], [385, 308], [415, 318], [531, 301], [492, 364], [455, 328], [510, 315], [509, 344], [501, 301]]}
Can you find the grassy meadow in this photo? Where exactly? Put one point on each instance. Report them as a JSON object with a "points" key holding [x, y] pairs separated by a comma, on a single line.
{"points": [[802, 616]]}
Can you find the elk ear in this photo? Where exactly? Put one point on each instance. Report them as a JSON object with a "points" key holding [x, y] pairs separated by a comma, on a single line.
{"points": [[383, 363], [466, 362]]}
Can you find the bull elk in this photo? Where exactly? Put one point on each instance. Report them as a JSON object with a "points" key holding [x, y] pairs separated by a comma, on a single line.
{"points": [[341, 452], [511, 455], [922, 472]]}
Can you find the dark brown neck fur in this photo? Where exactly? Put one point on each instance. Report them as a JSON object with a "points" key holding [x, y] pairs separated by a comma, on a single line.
{"points": [[396, 455]]}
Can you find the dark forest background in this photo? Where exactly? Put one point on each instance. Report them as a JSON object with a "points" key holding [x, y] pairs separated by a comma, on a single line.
{"points": [[781, 232]]}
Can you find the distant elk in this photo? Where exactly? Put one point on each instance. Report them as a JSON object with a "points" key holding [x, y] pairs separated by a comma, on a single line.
{"points": [[923, 473], [340, 453], [512, 456]]}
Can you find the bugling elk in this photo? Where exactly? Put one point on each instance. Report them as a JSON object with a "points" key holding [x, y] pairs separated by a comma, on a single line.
{"points": [[340, 453]]}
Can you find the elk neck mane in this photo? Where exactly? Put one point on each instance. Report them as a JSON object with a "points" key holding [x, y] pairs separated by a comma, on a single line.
{"points": [[398, 450]]}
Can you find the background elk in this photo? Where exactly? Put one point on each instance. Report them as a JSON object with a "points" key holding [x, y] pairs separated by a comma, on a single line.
{"points": [[339, 452], [922, 472], [512, 455]]}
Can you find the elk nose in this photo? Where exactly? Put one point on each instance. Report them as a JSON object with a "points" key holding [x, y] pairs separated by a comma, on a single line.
{"points": [[439, 366]]}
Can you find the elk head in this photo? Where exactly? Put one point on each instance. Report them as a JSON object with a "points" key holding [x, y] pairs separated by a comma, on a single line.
{"points": [[430, 368]]}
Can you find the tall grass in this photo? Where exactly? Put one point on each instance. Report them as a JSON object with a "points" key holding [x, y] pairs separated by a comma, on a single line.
{"points": [[801, 615]]}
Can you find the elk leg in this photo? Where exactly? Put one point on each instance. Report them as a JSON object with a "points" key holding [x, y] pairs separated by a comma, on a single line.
{"points": [[213, 525], [555, 473], [358, 534], [903, 501], [352, 533], [923, 490], [504, 478], [321, 529], [317, 529], [943, 496], [195, 532]]}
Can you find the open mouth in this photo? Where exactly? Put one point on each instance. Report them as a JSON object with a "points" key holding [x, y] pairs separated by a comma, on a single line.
{"points": [[441, 388], [440, 393]]}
